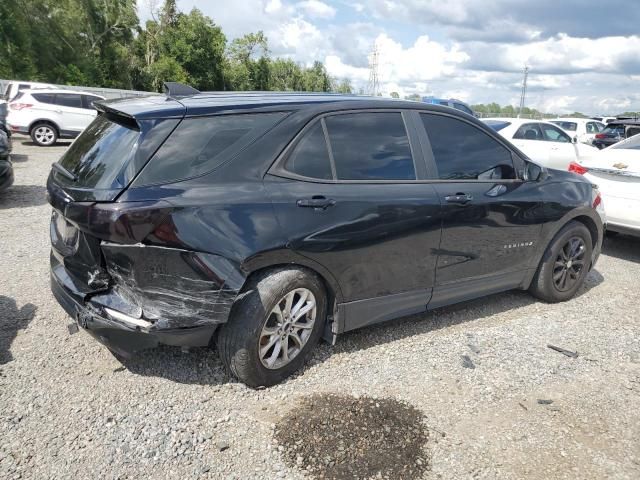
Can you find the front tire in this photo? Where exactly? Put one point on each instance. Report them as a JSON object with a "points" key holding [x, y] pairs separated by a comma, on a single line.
{"points": [[564, 265], [44, 134], [273, 326]]}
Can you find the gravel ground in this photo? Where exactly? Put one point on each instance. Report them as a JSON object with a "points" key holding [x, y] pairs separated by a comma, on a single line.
{"points": [[494, 400]]}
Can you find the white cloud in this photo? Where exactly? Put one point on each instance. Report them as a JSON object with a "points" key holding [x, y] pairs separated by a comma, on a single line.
{"points": [[317, 9], [273, 6]]}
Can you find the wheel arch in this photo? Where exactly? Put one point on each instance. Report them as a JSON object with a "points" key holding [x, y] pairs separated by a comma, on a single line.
{"points": [[586, 216], [44, 120]]}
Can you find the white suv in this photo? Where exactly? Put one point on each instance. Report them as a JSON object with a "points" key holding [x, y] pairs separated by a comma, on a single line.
{"points": [[49, 114]]}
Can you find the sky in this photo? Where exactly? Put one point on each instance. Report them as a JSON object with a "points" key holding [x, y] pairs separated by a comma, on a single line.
{"points": [[583, 55]]}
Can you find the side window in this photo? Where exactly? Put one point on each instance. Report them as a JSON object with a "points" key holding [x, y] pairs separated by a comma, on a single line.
{"points": [[87, 101], [23, 86], [310, 157], [370, 146], [528, 131], [199, 145], [44, 97], [554, 134], [464, 152], [69, 100]]}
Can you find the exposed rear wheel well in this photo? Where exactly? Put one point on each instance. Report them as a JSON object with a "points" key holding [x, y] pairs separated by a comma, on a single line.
{"points": [[331, 294]]}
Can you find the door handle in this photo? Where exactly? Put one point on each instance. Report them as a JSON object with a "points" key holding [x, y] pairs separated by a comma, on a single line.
{"points": [[317, 202], [462, 198]]}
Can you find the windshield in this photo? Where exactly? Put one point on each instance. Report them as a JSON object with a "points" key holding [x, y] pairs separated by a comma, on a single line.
{"points": [[631, 143], [99, 153], [571, 126], [497, 125]]}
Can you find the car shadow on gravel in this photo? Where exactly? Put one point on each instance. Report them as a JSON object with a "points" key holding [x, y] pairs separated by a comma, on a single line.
{"points": [[623, 247], [19, 157], [443, 317], [202, 366], [12, 320], [199, 366], [29, 143], [23, 196]]}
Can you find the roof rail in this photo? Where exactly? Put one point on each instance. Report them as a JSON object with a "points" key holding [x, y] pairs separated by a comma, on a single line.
{"points": [[175, 89]]}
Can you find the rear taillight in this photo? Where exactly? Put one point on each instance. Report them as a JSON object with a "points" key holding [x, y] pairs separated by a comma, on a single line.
{"points": [[126, 223], [19, 106], [577, 168], [601, 136]]}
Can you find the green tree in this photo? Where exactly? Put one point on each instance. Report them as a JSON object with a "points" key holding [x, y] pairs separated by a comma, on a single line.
{"points": [[395, 95]]}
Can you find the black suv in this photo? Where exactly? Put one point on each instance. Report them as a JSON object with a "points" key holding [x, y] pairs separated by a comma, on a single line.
{"points": [[266, 221]]}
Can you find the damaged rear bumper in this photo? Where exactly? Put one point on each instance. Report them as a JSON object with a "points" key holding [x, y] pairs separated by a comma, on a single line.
{"points": [[143, 310], [121, 336]]}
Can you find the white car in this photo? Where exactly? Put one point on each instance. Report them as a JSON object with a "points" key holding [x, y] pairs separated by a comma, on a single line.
{"points": [[543, 142], [616, 171], [585, 129], [49, 114], [12, 89]]}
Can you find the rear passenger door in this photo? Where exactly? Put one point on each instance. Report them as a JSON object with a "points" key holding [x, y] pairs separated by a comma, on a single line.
{"points": [[491, 218], [350, 195], [73, 116]]}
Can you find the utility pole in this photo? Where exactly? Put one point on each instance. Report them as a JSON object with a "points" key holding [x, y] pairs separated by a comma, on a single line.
{"points": [[523, 94], [374, 85]]}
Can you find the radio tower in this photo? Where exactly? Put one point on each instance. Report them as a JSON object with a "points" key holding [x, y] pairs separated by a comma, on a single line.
{"points": [[374, 85], [523, 94]]}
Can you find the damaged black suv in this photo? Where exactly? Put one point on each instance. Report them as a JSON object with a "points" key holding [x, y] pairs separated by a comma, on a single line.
{"points": [[265, 221]]}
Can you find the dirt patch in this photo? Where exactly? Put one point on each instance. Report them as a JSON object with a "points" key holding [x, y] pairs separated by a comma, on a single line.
{"points": [[339, 437]]}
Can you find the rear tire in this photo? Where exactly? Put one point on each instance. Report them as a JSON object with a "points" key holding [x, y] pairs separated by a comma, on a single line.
{"points": [[263, 342], [44, 134], [564, 265]]}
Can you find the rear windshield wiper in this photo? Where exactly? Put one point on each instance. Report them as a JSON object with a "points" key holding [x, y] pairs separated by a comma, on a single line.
{"points": [[64, 172]]}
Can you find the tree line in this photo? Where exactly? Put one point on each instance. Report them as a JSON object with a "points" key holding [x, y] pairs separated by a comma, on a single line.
{"points": [[102, 43]]}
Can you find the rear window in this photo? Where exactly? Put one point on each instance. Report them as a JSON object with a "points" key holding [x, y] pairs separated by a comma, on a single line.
{"points": [[496, 125], [571, 126], [201, 144], [614, 129], [99, 154]]}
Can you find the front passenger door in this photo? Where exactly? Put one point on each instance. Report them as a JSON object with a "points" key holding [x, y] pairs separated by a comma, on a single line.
{"points": [[563, 151], [491, 219]]}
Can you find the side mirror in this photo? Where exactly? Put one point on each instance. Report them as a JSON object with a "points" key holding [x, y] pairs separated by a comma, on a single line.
{"points": [[533, 172], [574, 140]]}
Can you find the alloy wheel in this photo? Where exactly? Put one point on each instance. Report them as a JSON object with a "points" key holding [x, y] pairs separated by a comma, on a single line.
{"points": [[569, 264], [44, 135], [287, 328]]}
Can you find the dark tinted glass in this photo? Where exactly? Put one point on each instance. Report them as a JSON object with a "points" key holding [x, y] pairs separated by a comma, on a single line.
{"points": [[554, 134], [614, 130], [69, 100], [370, 146], [310, 157], [529, 131], [44, 97], [87, 101], [99, 153], [496, 125], [462, 108], [200, 144], [462, 151]]}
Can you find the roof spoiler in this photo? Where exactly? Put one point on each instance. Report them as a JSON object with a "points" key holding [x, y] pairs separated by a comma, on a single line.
{"points": [[175, 89]]}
